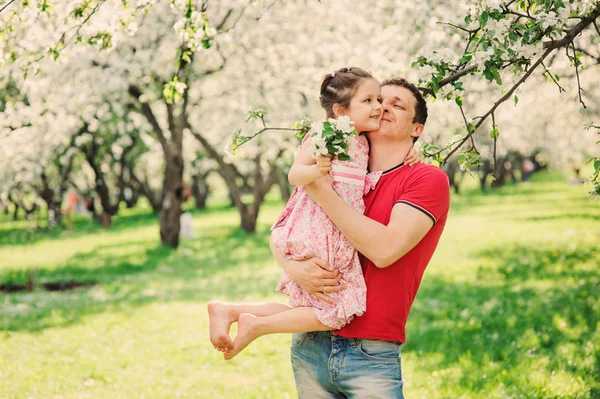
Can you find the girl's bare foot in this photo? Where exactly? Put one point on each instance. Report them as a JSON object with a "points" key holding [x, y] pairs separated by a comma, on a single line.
{"points": [[248, 331], [221, 316]]}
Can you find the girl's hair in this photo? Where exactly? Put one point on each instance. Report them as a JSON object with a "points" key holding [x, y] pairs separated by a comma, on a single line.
{"points": [[340, 86]]}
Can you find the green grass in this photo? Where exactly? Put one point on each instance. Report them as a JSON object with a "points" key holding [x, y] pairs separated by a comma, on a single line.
{"points": [[508, 308]]}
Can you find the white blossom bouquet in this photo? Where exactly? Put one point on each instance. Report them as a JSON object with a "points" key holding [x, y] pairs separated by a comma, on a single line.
{"points": [[332, 137]]}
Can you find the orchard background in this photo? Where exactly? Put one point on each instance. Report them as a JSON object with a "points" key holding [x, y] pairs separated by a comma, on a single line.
{"points": [[118, 116]]}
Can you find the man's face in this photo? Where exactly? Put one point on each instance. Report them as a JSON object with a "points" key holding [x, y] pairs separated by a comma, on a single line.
{"points": [[398, 113]]}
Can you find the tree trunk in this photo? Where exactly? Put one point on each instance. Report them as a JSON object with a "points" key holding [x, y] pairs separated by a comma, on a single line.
{"points": [[500, 173], [102, 191], [53, 201], [451, 169], [285, 188], [248, 221], [171, 204], [486, 170], [132, 202], [16, 212], [200, 191], [145, 190], [54, 214]]}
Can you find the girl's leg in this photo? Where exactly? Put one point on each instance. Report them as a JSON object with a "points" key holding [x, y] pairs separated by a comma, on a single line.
{"points": [[294, 320], [222, 314]]}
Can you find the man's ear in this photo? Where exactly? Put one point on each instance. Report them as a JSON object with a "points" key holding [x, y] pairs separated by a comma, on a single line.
{"points": [[338, 110], [417, 129]]}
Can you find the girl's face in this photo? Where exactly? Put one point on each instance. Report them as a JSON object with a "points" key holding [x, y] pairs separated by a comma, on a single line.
{"points": [[365, 109]]}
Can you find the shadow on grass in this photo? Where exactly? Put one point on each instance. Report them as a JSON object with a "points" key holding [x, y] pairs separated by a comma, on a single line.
{"points": [[539, 306], [226, 264]]}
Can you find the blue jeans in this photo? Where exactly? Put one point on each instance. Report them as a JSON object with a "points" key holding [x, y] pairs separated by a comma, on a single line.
{"points": [[333, 367]]}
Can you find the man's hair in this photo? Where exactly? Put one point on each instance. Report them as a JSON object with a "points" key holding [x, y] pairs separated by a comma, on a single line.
{"points": [[340, 86]]}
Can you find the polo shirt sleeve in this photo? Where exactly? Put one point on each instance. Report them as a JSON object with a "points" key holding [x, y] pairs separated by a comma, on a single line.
{"points": [[427, 190]]}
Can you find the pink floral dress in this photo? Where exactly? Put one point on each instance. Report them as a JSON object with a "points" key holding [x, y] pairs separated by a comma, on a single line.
{"points": [[303, 230]]}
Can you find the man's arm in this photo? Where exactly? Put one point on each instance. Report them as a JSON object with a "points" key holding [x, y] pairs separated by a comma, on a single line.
{"points": [[383, 245], [313, 275]]}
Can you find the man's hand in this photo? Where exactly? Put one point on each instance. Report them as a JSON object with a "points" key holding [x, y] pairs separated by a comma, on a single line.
{"points": [[315, 277]]}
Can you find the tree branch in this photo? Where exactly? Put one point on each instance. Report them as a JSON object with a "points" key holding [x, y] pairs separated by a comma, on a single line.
{"points": [[577, 29], [549, 45], [502, 99], [136, 93], [576, 65], [6, 5], [560, 89]]}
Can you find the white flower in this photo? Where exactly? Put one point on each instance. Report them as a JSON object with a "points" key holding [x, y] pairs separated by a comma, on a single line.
{"points": [[318, 147], [587, 6], [180, 87], [343, 124], [317, 128], [228, 149], [425, 72], [498, 27], [564, 12], [547, 19], [494, 4]]}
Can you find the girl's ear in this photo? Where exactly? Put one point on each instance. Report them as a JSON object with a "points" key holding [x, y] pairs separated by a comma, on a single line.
{"points": [[338, 110]]}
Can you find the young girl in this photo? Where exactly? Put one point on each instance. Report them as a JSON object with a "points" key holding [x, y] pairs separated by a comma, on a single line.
{"points": [[303, 230]]}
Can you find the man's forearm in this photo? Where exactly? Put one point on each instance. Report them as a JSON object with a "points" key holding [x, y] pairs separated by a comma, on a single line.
{"points": [[368, 236]]}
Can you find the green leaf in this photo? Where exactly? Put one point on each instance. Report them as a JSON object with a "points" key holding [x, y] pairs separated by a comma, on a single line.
{"points": [[458, 100], [344, 157], [516, 99], [487, 72], [483, 18], [465, 58], [494, 133], [496, 74], [328, 133]]}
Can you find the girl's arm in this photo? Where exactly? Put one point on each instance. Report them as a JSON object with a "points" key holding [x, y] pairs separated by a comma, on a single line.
{"points": [[306, 169]]}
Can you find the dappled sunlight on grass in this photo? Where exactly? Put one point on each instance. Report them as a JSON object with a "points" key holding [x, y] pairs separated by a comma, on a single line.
{"points": [[508, 308]]}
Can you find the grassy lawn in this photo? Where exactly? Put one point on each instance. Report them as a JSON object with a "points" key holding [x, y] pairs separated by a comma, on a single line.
{"points": [[508, 308]]}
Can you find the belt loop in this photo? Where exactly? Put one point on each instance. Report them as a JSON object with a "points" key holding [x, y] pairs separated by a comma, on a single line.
{"points": [[353, 342], [311, 335]]}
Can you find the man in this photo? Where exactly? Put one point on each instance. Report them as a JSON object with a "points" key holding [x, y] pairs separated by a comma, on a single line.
{"points": [[405, 215]]}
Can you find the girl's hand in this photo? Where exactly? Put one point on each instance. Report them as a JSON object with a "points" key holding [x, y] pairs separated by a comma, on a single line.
{"points": [[324, 164], [412, 158]]}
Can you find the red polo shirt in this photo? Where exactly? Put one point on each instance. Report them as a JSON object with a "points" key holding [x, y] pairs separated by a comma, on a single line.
{"points": [[392, 290]]}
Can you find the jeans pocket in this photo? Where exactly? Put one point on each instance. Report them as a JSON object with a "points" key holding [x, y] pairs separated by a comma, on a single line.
{"points": [[298, 339], [384, 351]]}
